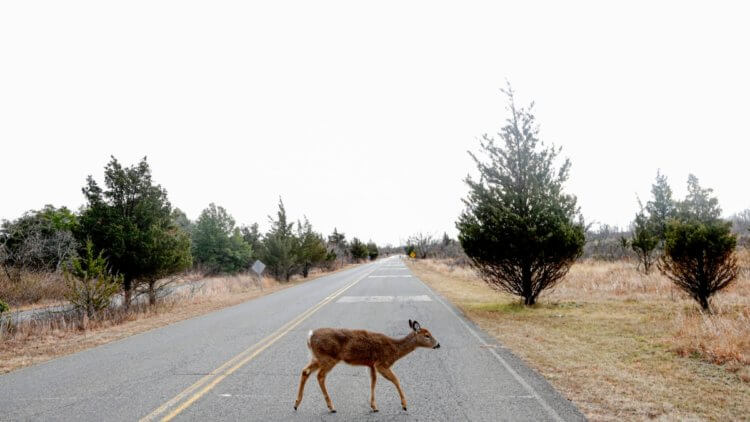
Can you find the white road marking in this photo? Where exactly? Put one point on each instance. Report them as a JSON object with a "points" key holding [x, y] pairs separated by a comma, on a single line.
{"points": [[383, 299], [550, 411], [387, 276]]}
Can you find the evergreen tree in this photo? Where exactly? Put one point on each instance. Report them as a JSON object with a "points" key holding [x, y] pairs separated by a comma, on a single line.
{"points": [[313, 250], [645, 239], [358, 250], [699, 205], [131, 221], [252, 236], [699, 258], [281, 247], [90, 284], [661, 208], [519, 228], [218, 245], [372, 251]]}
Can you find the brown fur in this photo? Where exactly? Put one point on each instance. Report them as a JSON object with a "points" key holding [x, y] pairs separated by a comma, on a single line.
{"points": [[377, 351]]}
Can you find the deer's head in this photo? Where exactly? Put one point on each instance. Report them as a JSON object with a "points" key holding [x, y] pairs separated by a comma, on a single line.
{"points": [[423, 336]]}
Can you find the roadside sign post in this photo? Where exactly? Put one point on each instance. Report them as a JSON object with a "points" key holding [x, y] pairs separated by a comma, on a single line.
{"points": [[258, 268]]}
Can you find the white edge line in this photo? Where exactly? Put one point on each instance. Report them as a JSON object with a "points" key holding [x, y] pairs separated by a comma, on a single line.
{"points": [[512, 371]]}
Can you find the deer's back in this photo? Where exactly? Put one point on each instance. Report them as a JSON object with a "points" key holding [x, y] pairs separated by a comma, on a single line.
{"points": [[355, 347]]}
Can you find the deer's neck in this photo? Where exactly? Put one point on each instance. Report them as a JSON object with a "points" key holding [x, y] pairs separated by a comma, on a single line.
{"points": [[405, 345]]}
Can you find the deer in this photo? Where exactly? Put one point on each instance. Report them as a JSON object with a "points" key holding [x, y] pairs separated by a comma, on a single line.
{"points": [[377, 351]]}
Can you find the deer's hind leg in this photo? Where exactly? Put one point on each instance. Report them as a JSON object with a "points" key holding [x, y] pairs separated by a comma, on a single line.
{"points": [[373, 379], [309, 369]]}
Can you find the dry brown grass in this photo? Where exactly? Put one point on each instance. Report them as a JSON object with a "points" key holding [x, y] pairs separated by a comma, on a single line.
{"points": [[34, 342], [621, 345], [32, 288]]}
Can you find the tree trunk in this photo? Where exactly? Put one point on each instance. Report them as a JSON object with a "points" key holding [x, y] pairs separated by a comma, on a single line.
{"points": [[704, 304], [151, 293], [127, 286], [528, 294]]}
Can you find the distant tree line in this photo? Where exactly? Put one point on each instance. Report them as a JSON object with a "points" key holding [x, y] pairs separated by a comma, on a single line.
{"points": [[129, 235]]}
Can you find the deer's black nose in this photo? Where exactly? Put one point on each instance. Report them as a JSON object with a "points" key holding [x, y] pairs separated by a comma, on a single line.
{"points": [[437, 346]]}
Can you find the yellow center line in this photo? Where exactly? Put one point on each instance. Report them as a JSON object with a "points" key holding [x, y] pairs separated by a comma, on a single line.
{"points": [[210, 381]]}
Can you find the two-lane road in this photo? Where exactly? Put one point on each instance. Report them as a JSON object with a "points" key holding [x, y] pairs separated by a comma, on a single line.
{"points": [[244, 362]]}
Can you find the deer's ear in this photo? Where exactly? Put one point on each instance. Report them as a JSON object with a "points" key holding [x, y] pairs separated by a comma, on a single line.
{"points": [[415, 326], [411, 324]]}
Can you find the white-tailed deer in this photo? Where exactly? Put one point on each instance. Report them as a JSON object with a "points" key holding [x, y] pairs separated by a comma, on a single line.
{"points": [[377, 351]]}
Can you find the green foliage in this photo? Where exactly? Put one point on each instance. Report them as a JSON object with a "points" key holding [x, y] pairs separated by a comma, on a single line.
{"points": [[90, 284], [3, 307], [281, 247], [38, 240], [372, 251], [699, 205], [645, 240], [180, 219], [252, 237], [131, 220], [218, 246], [661, 208], [312, 247], [358, 250], [519, 228], [699, 257]]}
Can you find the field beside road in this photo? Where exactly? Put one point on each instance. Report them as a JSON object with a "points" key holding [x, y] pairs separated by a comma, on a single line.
{"points": [[621, 345], [41, 339]]}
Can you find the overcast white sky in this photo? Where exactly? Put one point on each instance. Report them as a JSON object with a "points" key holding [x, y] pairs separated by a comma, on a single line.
{"points": [[360, 115]]}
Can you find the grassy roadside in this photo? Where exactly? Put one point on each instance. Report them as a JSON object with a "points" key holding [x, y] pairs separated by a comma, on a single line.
{"points": [[38, 342], [621, 345]]}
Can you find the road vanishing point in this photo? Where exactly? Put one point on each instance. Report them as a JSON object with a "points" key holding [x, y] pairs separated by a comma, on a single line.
{"points": [[243, 363]]}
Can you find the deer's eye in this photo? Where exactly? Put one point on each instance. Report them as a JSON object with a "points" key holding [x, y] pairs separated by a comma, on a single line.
{"points": [[427, 335]]}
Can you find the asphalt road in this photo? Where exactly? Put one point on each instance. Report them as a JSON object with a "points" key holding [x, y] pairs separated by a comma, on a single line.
{"points": [[244, 362]]}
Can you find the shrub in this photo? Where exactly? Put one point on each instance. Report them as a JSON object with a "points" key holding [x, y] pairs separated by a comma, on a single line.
{"points": [[90, 283], [3, 307], [699, 258]]}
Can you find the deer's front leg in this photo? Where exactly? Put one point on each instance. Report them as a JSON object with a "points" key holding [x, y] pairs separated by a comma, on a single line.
{"points": [[390, 376], [373, 379], [322, 382]]}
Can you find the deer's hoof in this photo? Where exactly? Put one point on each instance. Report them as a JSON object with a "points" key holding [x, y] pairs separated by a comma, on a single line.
{"points": [[375, 410], [333, 410], [404, 407], [295, 407]]}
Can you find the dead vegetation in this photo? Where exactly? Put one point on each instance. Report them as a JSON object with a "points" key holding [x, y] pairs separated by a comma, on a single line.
{"points": [[38, 340], [620, 344]]}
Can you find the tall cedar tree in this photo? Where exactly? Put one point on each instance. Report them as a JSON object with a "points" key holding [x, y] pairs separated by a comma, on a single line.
{"points": [[661, 208], [281, 247], [519, 228], [312, 247], [131, 221]]}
